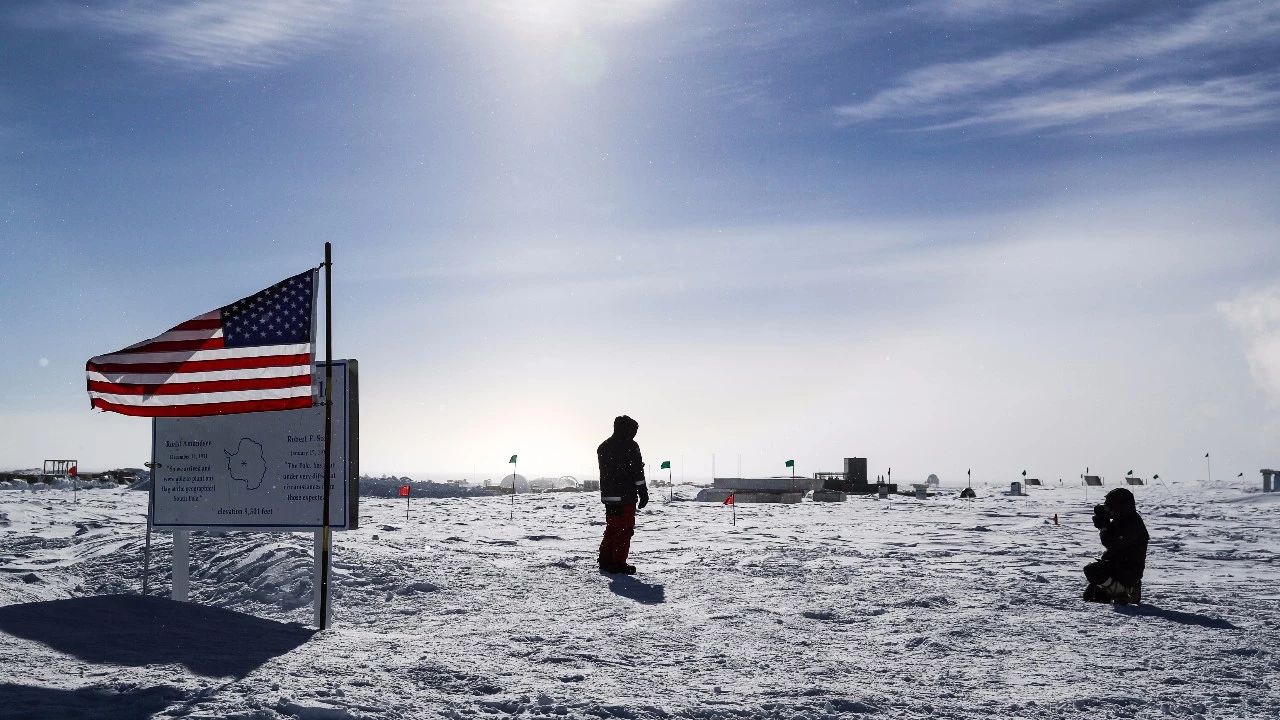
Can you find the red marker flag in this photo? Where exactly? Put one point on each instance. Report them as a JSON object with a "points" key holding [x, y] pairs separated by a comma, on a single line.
{"points": [[729, 500], [72, 471], [404, 491]]}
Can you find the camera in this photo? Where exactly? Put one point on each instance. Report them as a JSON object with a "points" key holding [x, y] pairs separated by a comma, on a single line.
{"points": [[1101, 516]]}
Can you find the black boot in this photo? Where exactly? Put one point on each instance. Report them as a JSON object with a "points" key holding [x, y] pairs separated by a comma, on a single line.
{"points": [[1132, 595], [1093, 593]]}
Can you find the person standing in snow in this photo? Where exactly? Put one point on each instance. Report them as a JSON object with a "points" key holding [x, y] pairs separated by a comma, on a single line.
{"points": [[622, 490], [1117, 577]]}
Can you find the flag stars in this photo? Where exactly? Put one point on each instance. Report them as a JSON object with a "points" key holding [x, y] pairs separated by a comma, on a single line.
{"points": [[279, 315]]}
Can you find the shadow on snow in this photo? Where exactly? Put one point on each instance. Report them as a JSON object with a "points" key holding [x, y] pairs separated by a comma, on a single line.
{"points": [[22, 702], [1177, 616], [641, 592], [136, 630]]}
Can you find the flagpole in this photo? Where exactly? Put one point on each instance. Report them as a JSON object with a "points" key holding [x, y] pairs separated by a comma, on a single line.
{"points": [[515, 472], [151, 498], [326, 537]]}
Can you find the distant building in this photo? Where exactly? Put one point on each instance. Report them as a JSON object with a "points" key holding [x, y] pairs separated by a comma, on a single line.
{"points": [[522, 483]]}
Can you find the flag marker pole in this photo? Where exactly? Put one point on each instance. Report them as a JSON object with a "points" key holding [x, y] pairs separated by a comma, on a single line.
{"points": [[151, 499], [146, 557], [515, 467], [326, 535]]}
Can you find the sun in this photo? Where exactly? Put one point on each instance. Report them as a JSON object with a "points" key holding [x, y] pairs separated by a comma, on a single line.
{"points": [[542, 16]]}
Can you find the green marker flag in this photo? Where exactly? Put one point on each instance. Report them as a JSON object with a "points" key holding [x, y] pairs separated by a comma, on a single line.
{"points": [[666, 465], [513, 459], [791, 463]]}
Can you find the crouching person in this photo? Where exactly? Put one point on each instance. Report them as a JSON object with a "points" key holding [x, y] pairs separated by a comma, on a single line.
{"points": [[1117, 577]]}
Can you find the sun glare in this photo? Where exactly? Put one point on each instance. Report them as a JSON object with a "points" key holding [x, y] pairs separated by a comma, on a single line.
{"points": [[548, 15]]}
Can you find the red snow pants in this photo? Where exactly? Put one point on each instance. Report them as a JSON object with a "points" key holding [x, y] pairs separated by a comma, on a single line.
{"points": [[619, 526]]}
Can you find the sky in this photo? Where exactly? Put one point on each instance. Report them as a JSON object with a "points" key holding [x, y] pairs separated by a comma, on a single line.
{"points": [[944, 235]]}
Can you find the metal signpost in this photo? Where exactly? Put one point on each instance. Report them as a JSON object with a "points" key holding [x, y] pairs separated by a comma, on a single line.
{"points": [[65, 469]]}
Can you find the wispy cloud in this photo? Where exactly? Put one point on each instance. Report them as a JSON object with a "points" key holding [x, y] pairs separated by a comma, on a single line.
{"points": [[575, 14], [212, 34], [1000, 9], [1153, 74], [1256, 316], [1215, 104], [217, 34]]}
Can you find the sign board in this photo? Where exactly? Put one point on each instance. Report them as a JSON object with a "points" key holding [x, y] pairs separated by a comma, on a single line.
{"points": [[260, 471], [60, 468], [1093, 481]]}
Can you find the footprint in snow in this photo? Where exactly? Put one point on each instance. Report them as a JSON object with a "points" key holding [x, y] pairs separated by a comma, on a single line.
{"points": [[418, 587]]}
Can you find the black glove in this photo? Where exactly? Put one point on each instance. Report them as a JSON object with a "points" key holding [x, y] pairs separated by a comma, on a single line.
{"points": [[1101, 516], [644, 496]]}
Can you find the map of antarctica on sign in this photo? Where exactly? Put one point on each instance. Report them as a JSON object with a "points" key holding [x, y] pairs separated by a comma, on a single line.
{"points": [[246, 464], [253, 469]]}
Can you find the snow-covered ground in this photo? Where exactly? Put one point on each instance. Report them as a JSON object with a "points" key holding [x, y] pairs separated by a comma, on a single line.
{"points": [[902, 609]]}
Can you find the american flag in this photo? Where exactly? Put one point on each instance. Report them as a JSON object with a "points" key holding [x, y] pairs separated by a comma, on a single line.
{"points": [[249, 356]]}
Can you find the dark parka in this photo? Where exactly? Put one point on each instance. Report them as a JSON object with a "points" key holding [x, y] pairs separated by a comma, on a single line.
{"points": [[1124, 537], [621, 467]]}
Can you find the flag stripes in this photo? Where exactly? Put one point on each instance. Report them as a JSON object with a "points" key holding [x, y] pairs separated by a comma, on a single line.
{"points": [[251, 363], [189, 388], [249, 356], [204, 398], [226, 408], [158, 355], [205, 376]]}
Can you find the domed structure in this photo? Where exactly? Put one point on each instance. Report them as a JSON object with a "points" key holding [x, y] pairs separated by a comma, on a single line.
{"points": [[933, 480], [522, 483]]}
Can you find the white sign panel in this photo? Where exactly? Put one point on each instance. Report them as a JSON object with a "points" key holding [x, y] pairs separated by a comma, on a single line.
{"points": [[259, 470]]}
